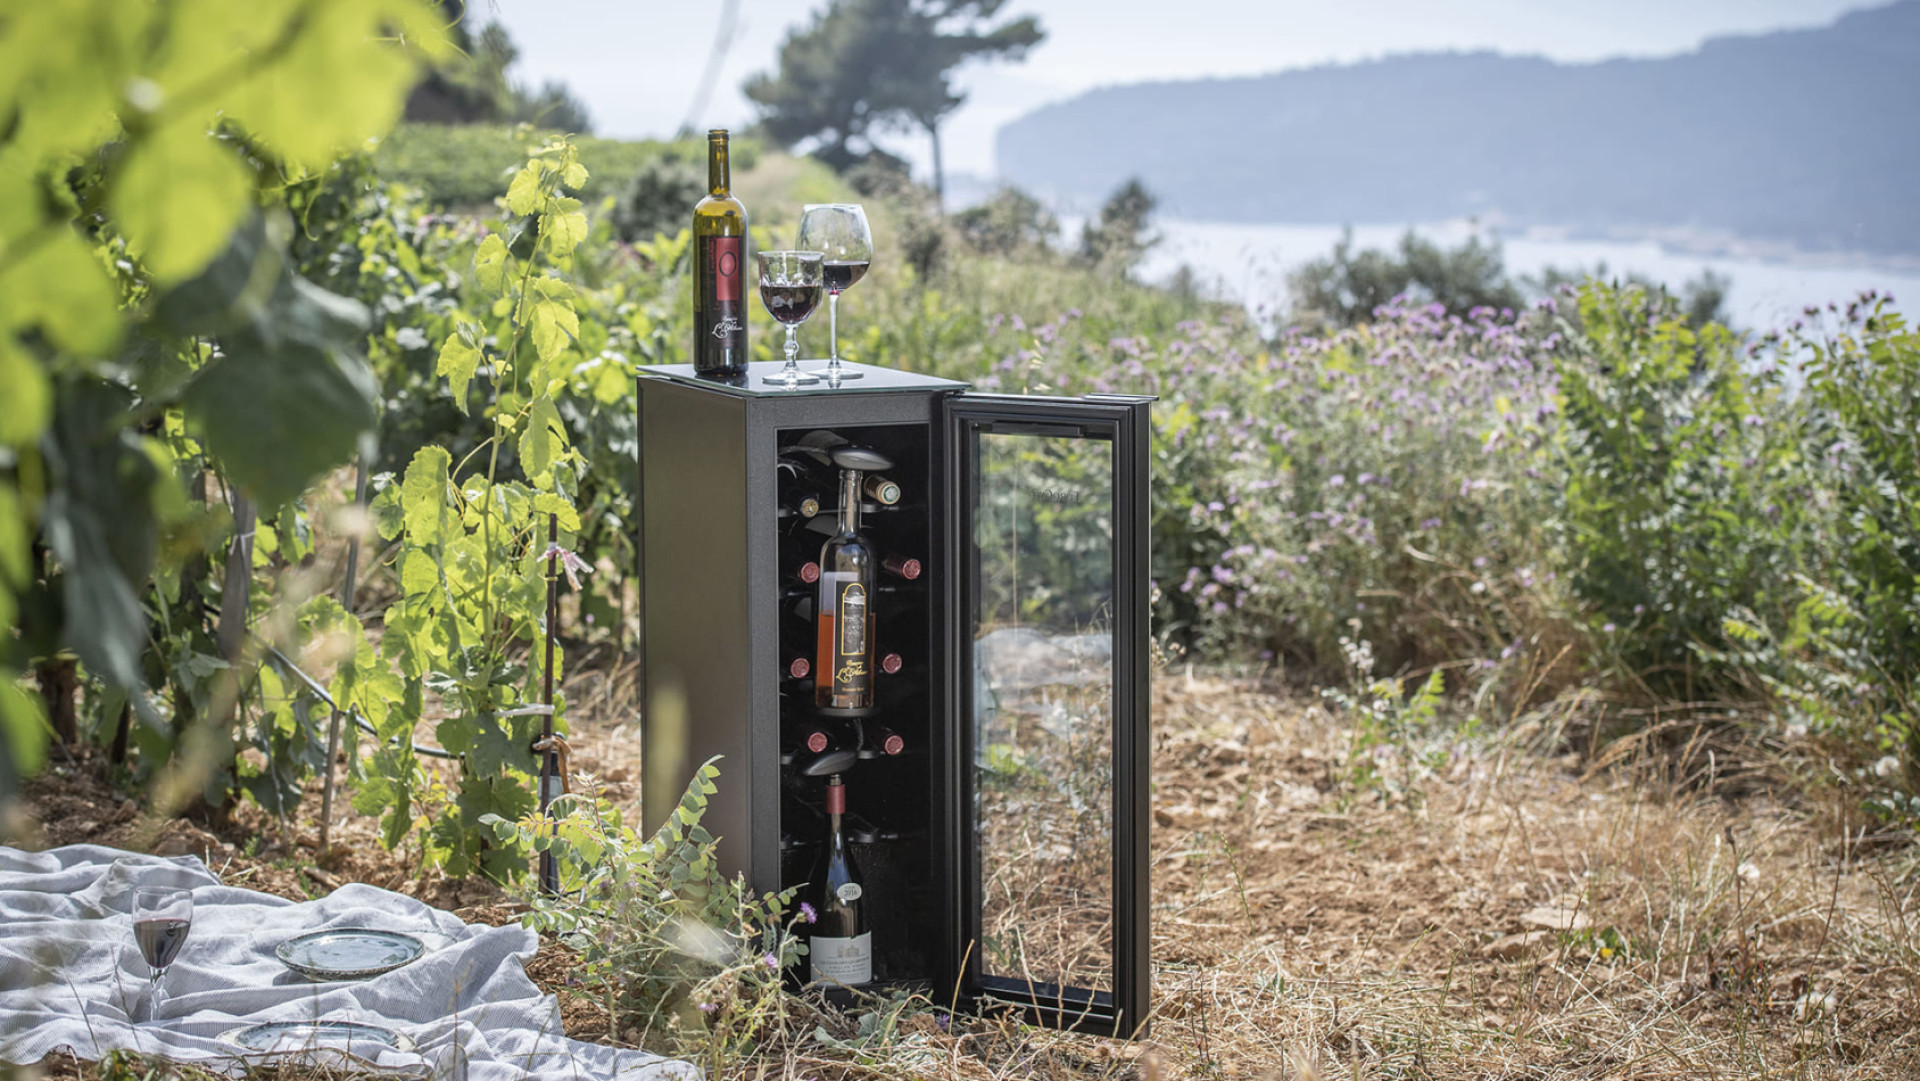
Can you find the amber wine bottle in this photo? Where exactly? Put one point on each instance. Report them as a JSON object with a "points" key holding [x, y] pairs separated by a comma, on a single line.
{"points": [[843, 663], [719, 271]]}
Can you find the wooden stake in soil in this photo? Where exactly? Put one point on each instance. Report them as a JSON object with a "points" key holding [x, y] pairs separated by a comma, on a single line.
{"points": [[549, 870], [347, 589]]}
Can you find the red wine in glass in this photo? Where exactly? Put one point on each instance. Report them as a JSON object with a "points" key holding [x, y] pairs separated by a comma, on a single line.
{"points": [[790, 304], [841, 274], [839, 232], [160, 940], [161, 920], [790, 288]]}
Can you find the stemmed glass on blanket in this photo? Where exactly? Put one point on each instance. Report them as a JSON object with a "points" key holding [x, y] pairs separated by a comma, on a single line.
{"points": [[161, 920]]}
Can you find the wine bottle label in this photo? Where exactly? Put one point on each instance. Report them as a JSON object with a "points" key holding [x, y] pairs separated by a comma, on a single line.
{"points": [[849, 892], [841, 960], [845, 597], [724, 257]]}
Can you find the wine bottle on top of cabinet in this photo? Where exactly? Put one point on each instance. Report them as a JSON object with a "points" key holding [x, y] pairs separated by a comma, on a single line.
{"points": [[719, 271]]}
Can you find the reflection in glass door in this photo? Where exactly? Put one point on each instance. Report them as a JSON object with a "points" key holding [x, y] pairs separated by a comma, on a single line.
{"points": [[1043, 699]]}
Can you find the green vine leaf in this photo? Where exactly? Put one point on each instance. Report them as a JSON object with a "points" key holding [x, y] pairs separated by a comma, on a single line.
{"points": [[524, 194], [457, 362], [554, 325], [542, 442], [490, 265], [424, 494], [178, 196]]}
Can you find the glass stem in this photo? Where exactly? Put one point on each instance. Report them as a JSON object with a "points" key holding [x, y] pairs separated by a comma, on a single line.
{"points": [[793, 347], [833, 326]]}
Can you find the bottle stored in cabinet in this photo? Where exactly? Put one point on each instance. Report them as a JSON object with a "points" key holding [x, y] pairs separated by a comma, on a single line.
{"points": [[719, 271], [881, 491], [843, 621], [839, 942]]}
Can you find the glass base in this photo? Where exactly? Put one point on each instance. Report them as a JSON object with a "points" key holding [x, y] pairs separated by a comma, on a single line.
{"points": [[790, 378], [826, 370]]}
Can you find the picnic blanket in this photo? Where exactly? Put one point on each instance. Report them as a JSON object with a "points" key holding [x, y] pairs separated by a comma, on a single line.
{"points": [[70, 973]]}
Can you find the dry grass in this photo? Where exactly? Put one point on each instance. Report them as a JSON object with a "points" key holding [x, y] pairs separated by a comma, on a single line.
{"points": [[1527, 920]]}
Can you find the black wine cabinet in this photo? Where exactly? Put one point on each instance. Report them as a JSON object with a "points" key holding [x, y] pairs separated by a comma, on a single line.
{"points": [[1004, 842]]}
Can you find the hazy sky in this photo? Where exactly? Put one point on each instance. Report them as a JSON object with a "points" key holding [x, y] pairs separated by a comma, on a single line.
{"points": [[636, 63]]}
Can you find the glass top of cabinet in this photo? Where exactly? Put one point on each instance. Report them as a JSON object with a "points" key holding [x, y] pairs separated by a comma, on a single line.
{"points": [[751, 385]]}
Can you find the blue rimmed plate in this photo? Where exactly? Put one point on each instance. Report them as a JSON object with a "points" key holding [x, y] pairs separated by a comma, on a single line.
{"points": [[349, 953], [347, 1036]]}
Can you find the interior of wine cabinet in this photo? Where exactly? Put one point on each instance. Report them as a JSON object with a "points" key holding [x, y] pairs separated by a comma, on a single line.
{"points": [[889, 801]]}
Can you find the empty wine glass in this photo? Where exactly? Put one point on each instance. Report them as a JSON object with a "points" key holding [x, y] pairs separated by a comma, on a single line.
{"points": [[839, 231], [161, 920], [790, 287]]}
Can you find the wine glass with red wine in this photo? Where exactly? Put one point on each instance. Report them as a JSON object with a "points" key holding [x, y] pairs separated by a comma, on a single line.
{"points": [[161, 920], [790, 286], [838, 231]]}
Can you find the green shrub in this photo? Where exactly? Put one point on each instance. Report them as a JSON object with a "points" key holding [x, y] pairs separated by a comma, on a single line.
{"points": [[1845, 659], [471, 164], [659, 199], [687, 961], [1677, 465]]}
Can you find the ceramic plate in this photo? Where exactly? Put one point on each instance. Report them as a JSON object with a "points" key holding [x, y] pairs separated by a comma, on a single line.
{"points": [[348, 953], [341, 1035]]}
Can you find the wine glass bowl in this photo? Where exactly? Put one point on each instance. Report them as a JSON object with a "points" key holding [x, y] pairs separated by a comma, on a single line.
{"points": [[839, 231], [161, 919], [790, 286]]}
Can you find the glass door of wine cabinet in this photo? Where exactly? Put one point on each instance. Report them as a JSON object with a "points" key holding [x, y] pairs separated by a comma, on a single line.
{"points": [[1047, 688]]}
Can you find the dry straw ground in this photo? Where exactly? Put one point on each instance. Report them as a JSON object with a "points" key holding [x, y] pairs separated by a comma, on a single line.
{"points": [[1532, 917]]}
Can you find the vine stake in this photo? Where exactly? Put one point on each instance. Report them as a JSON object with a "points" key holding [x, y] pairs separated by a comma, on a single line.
{"points": [[549, 870], [346, 602]]}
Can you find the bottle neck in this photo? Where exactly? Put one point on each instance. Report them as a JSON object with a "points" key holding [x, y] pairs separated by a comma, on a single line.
{"points": [[836, 807], [719, 174], [849, 501]]}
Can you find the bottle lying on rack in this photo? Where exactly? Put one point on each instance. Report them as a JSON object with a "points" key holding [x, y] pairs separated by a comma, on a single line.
{"points": [[881, 742], [839, 941], [881, 490], [905, 567], [803, 505]]}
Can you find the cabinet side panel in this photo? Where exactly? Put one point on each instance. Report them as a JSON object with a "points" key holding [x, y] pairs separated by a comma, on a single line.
{"points": [[694, 610]]}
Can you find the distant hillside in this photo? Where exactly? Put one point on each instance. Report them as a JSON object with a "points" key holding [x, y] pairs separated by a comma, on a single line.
{"points": [[1804, 136]]}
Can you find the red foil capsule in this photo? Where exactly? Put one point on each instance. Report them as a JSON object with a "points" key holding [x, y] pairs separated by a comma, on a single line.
{"points": [[891, 663]]}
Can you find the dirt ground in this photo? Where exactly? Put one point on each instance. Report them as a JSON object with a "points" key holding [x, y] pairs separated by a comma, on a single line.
{"points": [[1626, 914]]}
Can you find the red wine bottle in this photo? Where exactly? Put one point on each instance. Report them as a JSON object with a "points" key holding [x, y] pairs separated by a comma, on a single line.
{"points": [[808, 574], [901, 567], [719, 271], [809, 739], [891, 663], [799, 668], [883, 741], [839, 942]]}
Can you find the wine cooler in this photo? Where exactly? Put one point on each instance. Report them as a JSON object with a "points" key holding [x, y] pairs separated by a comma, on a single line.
{"points": [[912, 619]]}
